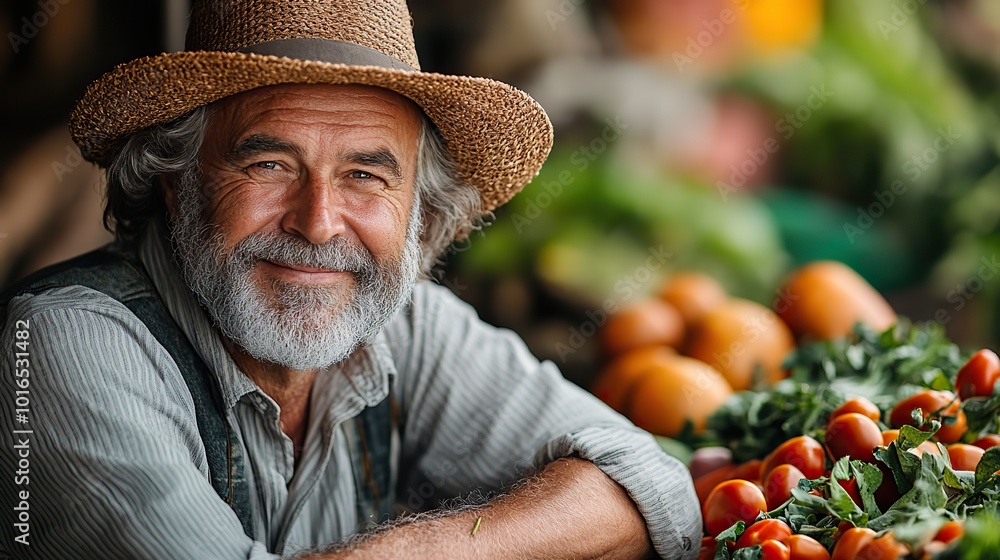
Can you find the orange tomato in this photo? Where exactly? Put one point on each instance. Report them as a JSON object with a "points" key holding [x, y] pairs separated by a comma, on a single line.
{"points": [[802, 452], [860, 405], [824, 300], [853, 434], [936, 403], [704, 484], [674, 390], [648, 322], [885, 547], [978, 376], [950, 531], [693, 294], [964, 457], [779, 483], [851, 542], [851, 486], [617, 378], [803, 547], [738, 337], [732, 501], [749, 470], [763, 530]]}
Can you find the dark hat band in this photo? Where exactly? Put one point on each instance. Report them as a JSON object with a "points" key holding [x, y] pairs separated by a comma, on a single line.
{"points": [[326, 50]]}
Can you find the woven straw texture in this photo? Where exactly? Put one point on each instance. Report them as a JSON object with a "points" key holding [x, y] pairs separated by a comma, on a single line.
{"points": [[497, 135]]}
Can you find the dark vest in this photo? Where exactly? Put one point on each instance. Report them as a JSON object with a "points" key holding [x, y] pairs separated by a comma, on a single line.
{"points": [[119, 274]]}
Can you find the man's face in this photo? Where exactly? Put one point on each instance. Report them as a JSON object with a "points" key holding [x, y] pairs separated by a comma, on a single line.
{"points": [[300, 231]]}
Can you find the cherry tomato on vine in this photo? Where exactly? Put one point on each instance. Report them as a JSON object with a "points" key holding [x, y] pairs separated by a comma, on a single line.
{"points": [[860, 405], [964, 457], [853, 434], [732, 501], [764, 530], [978, 376], [851, 542], [779, 483], [803, 452]]}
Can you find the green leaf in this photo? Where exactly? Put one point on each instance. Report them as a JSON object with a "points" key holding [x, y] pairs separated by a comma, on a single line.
{"points": [[869, 478], [733, 533], [988, 465], [754, 552]]}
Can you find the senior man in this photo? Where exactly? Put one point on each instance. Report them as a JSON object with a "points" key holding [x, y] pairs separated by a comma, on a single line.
{"points": [[253, 368]]}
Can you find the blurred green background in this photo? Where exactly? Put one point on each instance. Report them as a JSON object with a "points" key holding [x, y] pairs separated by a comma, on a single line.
{"points": [[740, 138]]}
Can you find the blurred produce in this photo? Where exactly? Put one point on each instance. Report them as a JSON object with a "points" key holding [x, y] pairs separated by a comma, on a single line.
{"points": [[675, 391], [694, 295], [649, 322]]}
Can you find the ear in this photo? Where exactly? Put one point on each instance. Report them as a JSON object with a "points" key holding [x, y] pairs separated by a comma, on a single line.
{"points": [[168, 184]]}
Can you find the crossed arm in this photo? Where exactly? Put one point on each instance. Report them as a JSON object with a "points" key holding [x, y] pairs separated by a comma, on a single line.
{"points": [[571, 509]]}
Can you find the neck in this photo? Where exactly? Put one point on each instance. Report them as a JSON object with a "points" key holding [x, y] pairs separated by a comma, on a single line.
{"points": [[289, 388]]}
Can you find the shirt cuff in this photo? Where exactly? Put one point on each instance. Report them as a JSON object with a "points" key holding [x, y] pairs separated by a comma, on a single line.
{"points": [[659, 484]]}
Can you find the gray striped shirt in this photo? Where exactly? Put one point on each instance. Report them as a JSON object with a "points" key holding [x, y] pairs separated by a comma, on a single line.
{"points": [[118, 470]]}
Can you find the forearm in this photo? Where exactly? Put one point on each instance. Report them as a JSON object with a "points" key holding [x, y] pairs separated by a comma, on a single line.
{"points": [[569, 510]]}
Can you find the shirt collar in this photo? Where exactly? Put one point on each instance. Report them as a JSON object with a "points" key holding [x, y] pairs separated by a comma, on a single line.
{"points": [[370, 369]]}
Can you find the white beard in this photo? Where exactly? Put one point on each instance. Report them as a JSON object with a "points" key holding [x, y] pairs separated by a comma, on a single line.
{"points": [[300, 326]]}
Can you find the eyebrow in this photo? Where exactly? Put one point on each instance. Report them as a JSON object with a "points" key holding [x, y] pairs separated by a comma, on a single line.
{"points": [[257, 144], [383, 159]]}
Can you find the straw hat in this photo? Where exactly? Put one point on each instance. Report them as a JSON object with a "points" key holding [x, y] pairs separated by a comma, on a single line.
{"points": [[497, 135]]}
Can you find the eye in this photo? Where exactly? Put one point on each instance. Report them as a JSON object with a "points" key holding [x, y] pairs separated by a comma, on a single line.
{"points": [[269, 165], [362, 175]]}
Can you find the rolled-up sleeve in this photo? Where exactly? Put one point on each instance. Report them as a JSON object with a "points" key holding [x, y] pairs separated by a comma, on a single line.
{"points": [[113, 467], [481, 411]]}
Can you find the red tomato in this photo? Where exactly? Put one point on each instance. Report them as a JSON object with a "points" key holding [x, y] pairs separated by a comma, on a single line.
{"points": [[964, 457], [860, 405], [978, 376], [704, 484], [889, 436], [987, 441], [732, 501], [936, 403], [806, 548], [707, 551], [885, 547], [779, 483], [774, 550], [853, 434], [763, 530], [852, 490], [803, 452], [748, 471], [950, 531], [851, 542]]}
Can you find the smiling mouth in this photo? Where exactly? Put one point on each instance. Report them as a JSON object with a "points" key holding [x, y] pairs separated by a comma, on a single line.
{"points": [[305, 269]]}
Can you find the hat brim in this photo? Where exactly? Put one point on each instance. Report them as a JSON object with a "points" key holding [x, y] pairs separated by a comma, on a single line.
{"points": [[497, 135]]}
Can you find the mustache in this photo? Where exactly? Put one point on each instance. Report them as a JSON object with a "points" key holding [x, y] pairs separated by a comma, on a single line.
{"points": [[339, 253]]}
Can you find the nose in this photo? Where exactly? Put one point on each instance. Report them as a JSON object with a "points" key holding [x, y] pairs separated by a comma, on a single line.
{"points": [[314, 210]]}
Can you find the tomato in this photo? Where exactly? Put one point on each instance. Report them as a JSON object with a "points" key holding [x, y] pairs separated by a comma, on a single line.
{"points": [[763, 530], [889, 436], [705, 483], [885, 547], [887, 492], [803, 452], [806, 548], [978, 376], [851, 542], [851, 486], [950, 531], [732, 501], [779, 483], [932, 403], [748, 471], [774, 550], [964, 457], [707, 551], [860, 405], [853, 434], [987, 441]]}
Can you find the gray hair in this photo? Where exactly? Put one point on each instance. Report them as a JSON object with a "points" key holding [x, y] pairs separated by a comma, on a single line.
{"points": [[451, 209]]}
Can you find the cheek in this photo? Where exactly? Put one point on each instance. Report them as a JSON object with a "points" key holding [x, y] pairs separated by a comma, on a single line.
{"points": [[239, 212], [382, 227]]}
